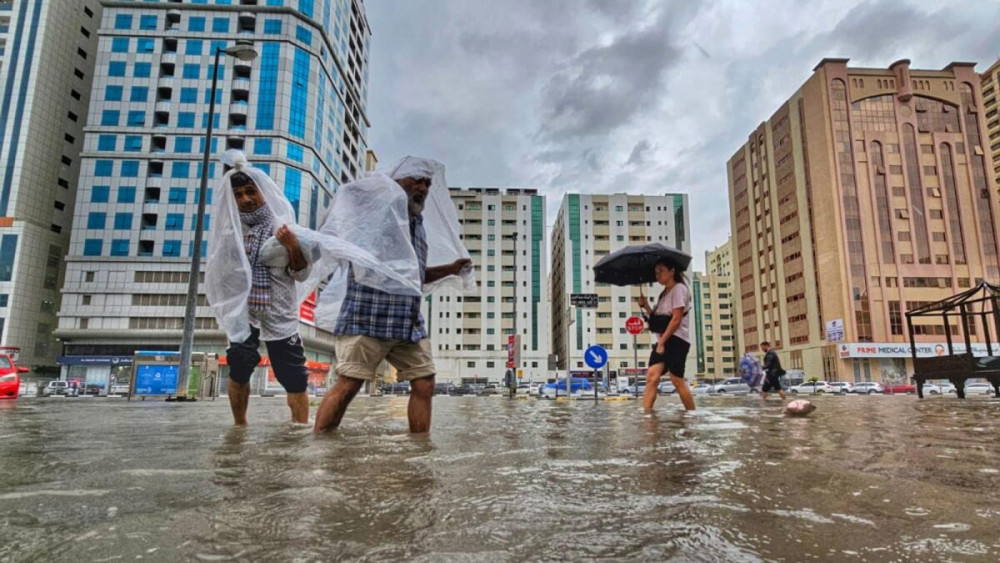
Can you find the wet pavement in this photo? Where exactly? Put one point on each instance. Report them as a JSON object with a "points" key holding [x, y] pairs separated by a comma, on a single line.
{"points": [[862, 479]]}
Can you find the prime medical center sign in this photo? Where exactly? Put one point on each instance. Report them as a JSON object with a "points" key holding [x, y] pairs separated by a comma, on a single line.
{"points": [[902, 350]]}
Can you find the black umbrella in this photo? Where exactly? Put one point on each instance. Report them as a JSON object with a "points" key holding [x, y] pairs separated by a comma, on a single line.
{"points": [[634, 265]]}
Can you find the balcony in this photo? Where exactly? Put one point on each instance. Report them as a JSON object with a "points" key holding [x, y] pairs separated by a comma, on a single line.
{"points": [[241, 88], [247, 22], [238, 108], [159, 144], [168, 58], [154, 182], [162, 105], [241, 69]]}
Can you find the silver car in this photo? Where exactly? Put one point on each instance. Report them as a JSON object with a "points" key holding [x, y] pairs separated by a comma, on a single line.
{"points": [[731, 386], [978, 389], [868, 388], [842, 387]]}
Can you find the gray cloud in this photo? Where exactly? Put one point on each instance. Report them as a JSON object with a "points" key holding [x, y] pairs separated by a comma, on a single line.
{"points": [[607, 96]]}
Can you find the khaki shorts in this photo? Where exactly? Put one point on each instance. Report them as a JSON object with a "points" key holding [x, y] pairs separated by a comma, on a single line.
{"points": [[359, 356]]}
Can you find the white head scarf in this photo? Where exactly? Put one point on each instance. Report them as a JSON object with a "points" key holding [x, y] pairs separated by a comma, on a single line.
{"points": [[440, 221]]}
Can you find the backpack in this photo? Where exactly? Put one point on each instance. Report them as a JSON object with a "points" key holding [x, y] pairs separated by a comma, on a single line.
{"points": [[750, 370]]}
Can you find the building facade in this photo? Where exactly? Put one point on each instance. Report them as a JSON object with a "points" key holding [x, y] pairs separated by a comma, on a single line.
{"points": [[990, 83], [589, 227], [504, 231], [715, 311], [47, 54], [298, 111], [865, 195]]}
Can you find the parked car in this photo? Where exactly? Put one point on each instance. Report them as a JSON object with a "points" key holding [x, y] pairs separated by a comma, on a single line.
{"points": [[55, 388], [900, 389], [496, 389], [931, 389], [10, 377], [868, 388], [398, 388], [558, 388], [666, 388], [443, 388], [842, 387], [120, 389], [978, 389], [813, 387], [947, 388], [731, 386]]}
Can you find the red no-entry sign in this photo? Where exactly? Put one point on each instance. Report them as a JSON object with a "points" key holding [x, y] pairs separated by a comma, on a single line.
{"points": [[634, 325]]}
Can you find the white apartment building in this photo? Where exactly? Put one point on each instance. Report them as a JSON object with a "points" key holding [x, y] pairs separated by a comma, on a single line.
{"points": [[47, 54], [588, 227], [298, 111], [715, 307], [504, 231]]}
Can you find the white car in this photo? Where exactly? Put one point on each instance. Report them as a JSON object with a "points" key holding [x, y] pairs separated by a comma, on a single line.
{"points": [[978, 389], [55, 388], [947, 388], [810, 388], [868, 388], [931, 389], [731, 386], [842, 387], [666, 388]]}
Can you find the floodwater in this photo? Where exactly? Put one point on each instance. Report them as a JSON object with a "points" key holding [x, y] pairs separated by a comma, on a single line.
{"points": [[862, 479]]}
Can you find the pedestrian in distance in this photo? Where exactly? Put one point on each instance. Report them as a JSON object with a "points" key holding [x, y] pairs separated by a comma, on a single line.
{"points": [[670, 323], [773, 371]]}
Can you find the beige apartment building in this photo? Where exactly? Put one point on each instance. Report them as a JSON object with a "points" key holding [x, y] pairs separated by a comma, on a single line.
{"points": [[865, 195], [990, 81], [504, 231], [589, 227], [715, 312]]}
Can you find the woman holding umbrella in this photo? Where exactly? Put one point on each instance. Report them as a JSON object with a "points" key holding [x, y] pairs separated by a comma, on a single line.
{"points": [[670, 324]]}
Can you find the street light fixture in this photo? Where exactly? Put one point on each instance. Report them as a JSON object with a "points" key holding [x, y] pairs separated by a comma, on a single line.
{"points": [[244, 51]]}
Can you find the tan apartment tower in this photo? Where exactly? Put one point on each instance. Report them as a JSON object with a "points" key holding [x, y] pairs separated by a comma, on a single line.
{"points": [[865, 195]]}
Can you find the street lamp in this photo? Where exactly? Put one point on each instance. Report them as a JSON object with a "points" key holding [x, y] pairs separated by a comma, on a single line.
{"points": [[244, 51]]}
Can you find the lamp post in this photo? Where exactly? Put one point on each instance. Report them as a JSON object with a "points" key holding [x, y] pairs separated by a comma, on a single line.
{"points": [[244, 51]]}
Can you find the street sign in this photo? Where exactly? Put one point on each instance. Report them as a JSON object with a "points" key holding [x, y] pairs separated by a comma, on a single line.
{"points": [[634, 325], [596, 357], [583, 300], [835, 330]]}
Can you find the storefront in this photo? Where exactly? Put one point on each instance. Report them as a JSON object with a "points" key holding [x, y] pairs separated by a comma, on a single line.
{"points": [[95, 371], [892, 361]]}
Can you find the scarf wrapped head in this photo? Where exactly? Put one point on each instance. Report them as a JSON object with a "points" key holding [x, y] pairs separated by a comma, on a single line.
{"points": [[440, 221]]}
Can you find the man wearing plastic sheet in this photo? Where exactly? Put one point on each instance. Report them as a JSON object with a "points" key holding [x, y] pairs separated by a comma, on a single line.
{"points": [[371, 325], [255, 261]]}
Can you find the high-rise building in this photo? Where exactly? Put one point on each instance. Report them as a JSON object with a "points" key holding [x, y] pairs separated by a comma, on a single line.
{"points": [[47, 53], [865, 195], [297, 111], [990, 83], [715, 312], [589, 227], [504, 231]]}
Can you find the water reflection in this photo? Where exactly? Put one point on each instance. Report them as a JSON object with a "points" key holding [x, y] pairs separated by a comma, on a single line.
{"points": [[865, 478]]}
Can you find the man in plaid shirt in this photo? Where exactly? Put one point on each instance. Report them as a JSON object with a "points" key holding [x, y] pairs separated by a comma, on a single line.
{"points": [[374, 325]]}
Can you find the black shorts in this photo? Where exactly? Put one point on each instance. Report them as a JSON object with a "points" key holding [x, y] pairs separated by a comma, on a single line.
{"points": [[771, 383], [288, 360], [674, 356]]}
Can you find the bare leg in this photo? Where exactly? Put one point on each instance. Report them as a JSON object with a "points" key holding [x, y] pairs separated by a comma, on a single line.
{"points": [[334, 405], [652, 386], [683, 391], [781, 393], [239, 399], [299, 403], [419, 408]]}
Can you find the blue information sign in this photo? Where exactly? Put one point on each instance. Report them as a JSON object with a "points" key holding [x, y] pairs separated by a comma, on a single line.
{"points": [[596, 357], [156, 379]]}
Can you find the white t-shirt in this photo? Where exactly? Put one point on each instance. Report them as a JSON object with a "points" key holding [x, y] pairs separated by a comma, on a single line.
{"points": [[678, 297]]}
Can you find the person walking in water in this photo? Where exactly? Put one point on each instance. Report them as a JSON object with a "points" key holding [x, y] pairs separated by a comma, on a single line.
{"points": [[670, 324], [252, 270], [772, 371]]}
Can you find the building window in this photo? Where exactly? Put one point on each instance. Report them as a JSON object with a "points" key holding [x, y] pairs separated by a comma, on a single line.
{"points": [[190, 71], [123, 221], [136, 118], [145, 45], [220, 25], [123, 21], [99, 194], [92, 247], [126, 194], [147, 23], [272, 27], [107, 142], [196, 24], [113, 94], [96, 220], [185, 120], [133, 143], [172, 248], [120, 45], [130, 169], [116, 68], [119, 247]]}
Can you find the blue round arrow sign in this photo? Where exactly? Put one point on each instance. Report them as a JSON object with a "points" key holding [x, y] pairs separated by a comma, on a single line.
{"points": [[596, 357]]}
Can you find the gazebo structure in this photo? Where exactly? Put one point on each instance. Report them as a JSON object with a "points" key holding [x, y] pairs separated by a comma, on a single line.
{"points": [[982, 302]]}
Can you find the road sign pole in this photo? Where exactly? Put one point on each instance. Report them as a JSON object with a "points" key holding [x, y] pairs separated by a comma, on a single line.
{"points": [[595, 385], [635, 349]]}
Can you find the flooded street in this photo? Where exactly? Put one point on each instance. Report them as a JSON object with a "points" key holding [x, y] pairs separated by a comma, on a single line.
{"points": [[862, 479]]}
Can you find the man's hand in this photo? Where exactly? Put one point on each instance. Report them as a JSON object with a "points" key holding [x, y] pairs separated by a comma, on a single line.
{"points": [[287, 238], [643, 302], [661, 348], [296, 260], [460, 265]]}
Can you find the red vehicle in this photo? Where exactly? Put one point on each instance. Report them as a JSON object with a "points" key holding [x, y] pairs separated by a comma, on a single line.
{"points": [[10, 378], [900, 389]]}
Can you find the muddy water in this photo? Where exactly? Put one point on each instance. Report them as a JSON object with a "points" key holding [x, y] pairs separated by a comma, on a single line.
{"points": [[862, 479]]}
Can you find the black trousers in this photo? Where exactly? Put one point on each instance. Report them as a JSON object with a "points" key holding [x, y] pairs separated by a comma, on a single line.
{"points": [[288, 360]]}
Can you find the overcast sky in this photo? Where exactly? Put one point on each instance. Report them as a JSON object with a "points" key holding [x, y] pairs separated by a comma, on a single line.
{"points": [[604, 96]]}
